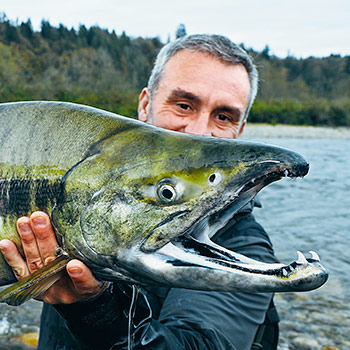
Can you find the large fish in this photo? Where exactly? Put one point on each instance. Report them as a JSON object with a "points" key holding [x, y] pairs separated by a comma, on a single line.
{"points": [[137, 203]]}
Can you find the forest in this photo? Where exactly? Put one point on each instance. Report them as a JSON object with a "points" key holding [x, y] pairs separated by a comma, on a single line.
{"points": [[105, 69]]}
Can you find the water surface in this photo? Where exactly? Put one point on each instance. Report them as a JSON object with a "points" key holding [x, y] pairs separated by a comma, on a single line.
{"points": [[313, 214]]}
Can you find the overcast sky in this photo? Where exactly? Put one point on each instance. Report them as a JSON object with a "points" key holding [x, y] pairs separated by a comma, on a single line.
{"points": [[300, 28]]}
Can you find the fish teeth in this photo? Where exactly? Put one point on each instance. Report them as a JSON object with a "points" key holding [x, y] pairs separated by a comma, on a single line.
{"points": [[286, 173], [292, 269], [301, 258], [314, 255]]}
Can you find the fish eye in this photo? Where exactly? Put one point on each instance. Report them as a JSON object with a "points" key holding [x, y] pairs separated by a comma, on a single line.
{"points": [[166, 193], [214, 179]]}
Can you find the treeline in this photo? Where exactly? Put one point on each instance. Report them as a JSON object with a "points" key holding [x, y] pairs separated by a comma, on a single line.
{"points": [[311, 91], [100, 68], [90, 65]]}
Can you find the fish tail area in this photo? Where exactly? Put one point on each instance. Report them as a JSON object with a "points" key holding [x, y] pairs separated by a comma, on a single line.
{"points": [[36, 283]]}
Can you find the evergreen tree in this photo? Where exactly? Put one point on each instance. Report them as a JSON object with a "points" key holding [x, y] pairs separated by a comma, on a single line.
{"points": [[180, 31], [26, 30]]}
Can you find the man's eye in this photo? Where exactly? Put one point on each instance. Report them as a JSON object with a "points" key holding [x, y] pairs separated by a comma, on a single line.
{"points": [[184, 106], [223, 118]]}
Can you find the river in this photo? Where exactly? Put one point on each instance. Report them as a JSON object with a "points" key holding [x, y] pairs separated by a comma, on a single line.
{"points": [[313, 214], [303, 214]]}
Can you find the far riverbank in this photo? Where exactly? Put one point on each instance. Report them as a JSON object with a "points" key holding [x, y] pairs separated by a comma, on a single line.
{"points": [[293, 131]]}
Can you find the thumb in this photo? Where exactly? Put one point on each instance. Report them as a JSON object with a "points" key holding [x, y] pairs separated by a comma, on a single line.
{"points": [[84, 281]]}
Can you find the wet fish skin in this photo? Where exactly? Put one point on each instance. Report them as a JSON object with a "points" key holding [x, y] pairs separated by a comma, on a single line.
{"points": [[121, 192]]}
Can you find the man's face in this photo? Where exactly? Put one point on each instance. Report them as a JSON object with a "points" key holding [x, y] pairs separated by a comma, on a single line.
{"points": [[198, 94]]}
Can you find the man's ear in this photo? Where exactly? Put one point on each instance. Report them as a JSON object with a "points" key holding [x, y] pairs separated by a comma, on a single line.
{"points": [[144, 104], [242, 128]]}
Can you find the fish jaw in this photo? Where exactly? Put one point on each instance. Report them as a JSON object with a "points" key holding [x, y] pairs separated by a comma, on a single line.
{"points": [[201, 264], [189, 263]]}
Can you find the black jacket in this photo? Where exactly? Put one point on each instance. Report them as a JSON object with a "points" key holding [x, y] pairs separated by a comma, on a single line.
{"points": [[169, 319]]}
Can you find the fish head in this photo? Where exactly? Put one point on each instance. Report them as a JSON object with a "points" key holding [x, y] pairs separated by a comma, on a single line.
{"points": [[151, 219]]}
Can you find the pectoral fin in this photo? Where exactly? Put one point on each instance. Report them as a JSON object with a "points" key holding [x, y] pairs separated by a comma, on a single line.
{"points": [[36, 283]]}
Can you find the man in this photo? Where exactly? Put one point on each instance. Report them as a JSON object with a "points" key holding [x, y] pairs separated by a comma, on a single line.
{"points": [[200, 84]]}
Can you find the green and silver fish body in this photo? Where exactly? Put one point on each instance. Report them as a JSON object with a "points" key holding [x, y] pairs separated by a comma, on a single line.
{"points": [[138, 203]]}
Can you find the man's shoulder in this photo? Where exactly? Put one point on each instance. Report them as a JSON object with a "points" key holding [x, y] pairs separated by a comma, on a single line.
{"points": [[244, 235], [243, 223]]}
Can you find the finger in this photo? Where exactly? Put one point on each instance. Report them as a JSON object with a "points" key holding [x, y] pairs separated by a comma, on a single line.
{"points": [[77, 285], [29, 244], [62, 292], [45, 235], [14, 258], [83, 280]]}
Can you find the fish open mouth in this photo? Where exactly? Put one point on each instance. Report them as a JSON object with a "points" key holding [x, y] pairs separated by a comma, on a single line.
{"points": [[194, 261]]}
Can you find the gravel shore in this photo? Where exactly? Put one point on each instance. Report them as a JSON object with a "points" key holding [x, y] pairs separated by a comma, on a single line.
{"points": [[291, 131]]}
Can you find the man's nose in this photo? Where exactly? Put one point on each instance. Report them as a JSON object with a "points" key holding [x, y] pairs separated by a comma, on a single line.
{"points": [[199, 126]]}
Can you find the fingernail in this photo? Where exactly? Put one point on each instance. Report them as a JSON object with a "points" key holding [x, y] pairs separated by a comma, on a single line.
{"points": [[75, 271], [24, 228], [39, 221]]}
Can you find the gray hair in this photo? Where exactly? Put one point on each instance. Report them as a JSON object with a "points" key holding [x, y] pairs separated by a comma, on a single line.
{"points": [[216, 45]]}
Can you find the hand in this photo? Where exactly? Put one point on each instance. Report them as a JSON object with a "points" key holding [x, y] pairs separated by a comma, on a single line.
{"points": [[39, 244]]}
